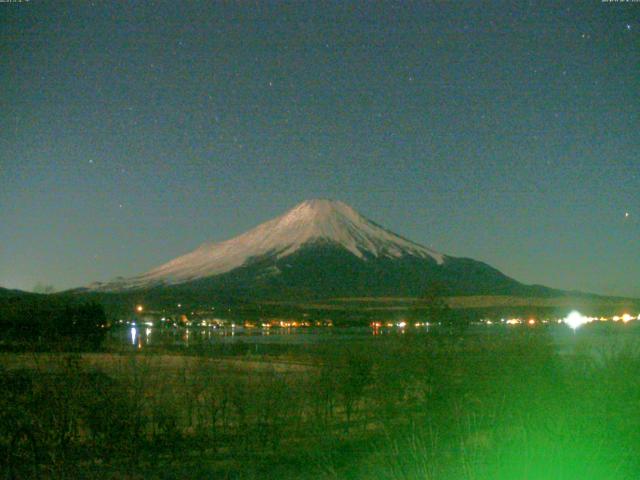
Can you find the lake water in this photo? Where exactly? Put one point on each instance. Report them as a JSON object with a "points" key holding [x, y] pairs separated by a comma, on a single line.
{"points": [[597, 338]]}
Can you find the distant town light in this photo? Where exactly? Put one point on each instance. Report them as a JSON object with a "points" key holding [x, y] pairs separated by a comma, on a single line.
{"points": [[626, 318], [139, 308], [575, 319]]}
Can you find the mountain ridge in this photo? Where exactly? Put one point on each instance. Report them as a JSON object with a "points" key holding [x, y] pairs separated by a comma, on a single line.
{"points": [[320, 248], [308, 221]]}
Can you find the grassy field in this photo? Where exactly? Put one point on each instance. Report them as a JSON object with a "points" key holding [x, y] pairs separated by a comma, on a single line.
{"points": [[505, 406]]}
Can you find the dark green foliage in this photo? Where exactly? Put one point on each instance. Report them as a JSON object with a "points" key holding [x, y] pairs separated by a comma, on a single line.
{"points": [[43, 322], [478, 406]]}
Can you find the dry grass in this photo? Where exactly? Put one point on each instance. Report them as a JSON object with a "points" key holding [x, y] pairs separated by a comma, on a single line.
{"points": [[114, 362], [397, 408]]}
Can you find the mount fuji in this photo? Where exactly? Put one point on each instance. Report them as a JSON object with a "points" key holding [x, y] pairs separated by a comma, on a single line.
{"points": [[321, 248]]}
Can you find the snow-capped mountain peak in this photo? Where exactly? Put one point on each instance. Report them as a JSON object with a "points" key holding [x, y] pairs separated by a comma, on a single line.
{"points": [[337, 222], [308, 222]]}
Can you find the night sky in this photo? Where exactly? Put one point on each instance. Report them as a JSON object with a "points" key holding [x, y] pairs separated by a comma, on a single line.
{"points": [[509, 133]]}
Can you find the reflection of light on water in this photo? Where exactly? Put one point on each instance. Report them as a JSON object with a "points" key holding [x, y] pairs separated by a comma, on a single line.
{"points": [[134, 332]]}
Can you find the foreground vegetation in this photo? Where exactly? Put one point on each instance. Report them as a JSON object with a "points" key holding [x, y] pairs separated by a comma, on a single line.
{"points": [[398, 407]]}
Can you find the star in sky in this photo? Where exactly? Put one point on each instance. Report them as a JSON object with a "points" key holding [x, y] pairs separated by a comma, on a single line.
{"points": [[422, 114]]}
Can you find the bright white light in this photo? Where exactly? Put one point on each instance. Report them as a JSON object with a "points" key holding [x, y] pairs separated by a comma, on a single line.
{"points": [[402, 324], [134, 332], [575, 320], [626, 318]]}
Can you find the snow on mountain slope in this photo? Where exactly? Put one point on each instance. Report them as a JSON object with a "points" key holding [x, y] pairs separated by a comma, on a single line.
{"points": [[310, 221]]}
